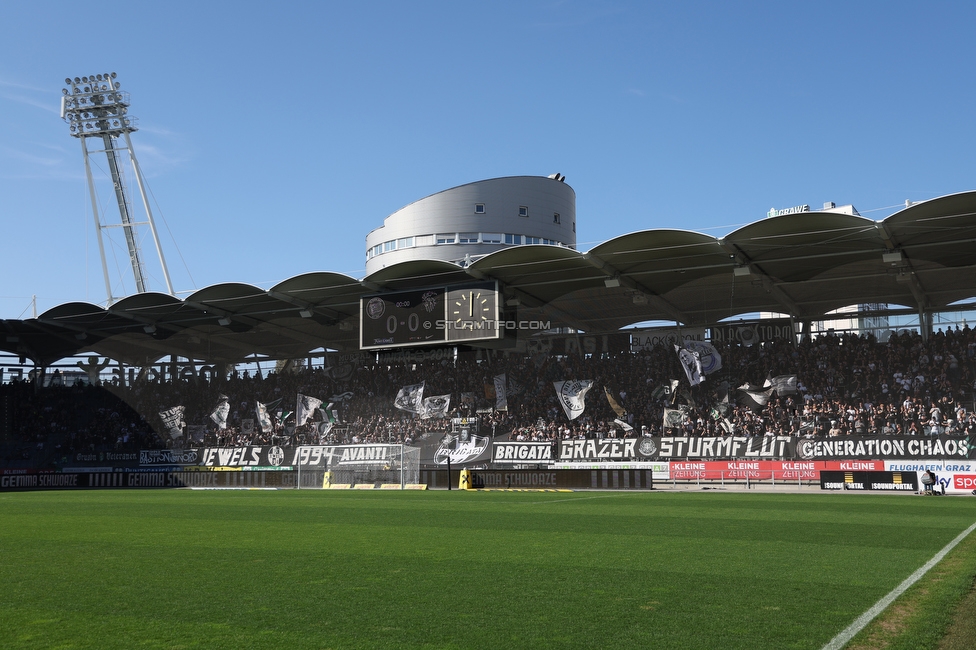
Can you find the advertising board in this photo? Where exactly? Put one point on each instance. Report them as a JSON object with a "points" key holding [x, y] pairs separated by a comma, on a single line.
{"points": [[953, 476], [869, 481]]}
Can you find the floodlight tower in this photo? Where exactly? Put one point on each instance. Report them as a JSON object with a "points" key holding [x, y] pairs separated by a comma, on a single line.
{"points": [[94, 107]]}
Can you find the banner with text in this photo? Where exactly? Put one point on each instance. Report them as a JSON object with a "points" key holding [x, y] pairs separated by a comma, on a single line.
{"points": [[768, 447]]}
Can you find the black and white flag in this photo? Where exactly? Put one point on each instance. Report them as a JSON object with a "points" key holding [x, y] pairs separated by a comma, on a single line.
{"points": [[435, 406], [572, 395], [501, 393], [623, 425], [305, 408], [220, 414], [708, 356], [691, 364], [754, 397], [410, 398], [782, 384], [264, 419], [173, 421]]}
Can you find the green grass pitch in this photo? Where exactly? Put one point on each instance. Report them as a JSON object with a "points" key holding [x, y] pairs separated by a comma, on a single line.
{"points": [[326, 569]]}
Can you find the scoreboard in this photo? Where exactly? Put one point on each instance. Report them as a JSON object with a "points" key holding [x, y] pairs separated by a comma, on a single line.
{"points": [[437, 315]]}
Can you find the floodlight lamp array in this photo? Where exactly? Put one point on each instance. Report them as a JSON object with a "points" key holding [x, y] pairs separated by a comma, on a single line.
{"points": [[94, 105]]}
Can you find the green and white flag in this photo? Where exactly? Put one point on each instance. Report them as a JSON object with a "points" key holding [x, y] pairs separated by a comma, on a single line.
{"points": [[264, 419], [674, 418]]}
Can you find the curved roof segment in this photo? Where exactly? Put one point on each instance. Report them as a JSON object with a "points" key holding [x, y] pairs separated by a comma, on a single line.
{"points": [[804, 265]]}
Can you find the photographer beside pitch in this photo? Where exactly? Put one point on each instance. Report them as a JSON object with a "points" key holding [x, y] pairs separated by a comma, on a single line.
{"points": [[930, 481]]}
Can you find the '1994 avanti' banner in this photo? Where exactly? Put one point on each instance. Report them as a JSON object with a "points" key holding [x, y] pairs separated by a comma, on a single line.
{"points": [[766, 447], [311, 456]]}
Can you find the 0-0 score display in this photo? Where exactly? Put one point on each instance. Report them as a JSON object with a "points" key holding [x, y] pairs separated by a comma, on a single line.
{"points": [[425, 317]]}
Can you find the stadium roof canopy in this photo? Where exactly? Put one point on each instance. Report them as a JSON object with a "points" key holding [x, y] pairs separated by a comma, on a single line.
{"points": [[803, 265]]}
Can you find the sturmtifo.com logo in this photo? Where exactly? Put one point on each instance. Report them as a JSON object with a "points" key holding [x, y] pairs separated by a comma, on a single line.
{"points": [[538, 325]]}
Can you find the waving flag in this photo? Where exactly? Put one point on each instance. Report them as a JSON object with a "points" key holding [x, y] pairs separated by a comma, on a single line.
{"points": [[220, 413], [501, 393], [173, 421], [617, 408], [782, 384], [264, 420], [691, 364], [708, 356], [305, 408], [572, 395], [435, 406], [410, 398]]}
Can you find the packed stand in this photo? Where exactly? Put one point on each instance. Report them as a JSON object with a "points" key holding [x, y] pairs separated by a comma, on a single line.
{"points": [[846, 385]]}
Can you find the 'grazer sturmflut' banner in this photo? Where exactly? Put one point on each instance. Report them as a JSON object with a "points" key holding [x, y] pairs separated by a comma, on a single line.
{"points": [[766, 447]]}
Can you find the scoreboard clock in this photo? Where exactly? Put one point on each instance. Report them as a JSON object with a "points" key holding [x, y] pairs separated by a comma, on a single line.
{"points": [[472, 313], [431, 316]]}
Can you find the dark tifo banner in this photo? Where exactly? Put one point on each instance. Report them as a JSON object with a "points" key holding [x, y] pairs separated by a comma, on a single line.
{"points": [[888, 481], [154, 479], [559, 479], [766, 447]]}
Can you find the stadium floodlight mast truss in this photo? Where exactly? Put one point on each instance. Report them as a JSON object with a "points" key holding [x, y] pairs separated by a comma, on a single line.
{"points": [[94, 107]]}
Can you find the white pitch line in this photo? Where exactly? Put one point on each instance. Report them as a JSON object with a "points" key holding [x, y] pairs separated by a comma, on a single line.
{"points": [[841, 639]]}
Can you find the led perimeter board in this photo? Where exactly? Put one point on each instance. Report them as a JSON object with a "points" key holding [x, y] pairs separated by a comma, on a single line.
{"points": [[432, 316]]}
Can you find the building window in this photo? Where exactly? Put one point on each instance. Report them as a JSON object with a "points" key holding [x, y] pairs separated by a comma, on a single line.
{"points": [[424, 240], [389, 246], [513, 239], [523, 210], [479, 208], [406, 242], [531, 240], [468, 238], [555, 217], [377, 249], [446, 238], [491, 238]]}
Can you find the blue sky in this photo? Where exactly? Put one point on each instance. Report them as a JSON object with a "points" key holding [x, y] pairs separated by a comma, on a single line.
{"points": [[274, 136]]}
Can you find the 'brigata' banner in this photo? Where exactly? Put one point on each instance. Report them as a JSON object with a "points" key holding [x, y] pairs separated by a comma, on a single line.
{"points": [[521, 452], [766, 447]]}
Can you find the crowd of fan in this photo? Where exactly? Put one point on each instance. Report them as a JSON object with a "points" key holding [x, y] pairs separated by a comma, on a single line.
{"points": [[847, 385]]}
